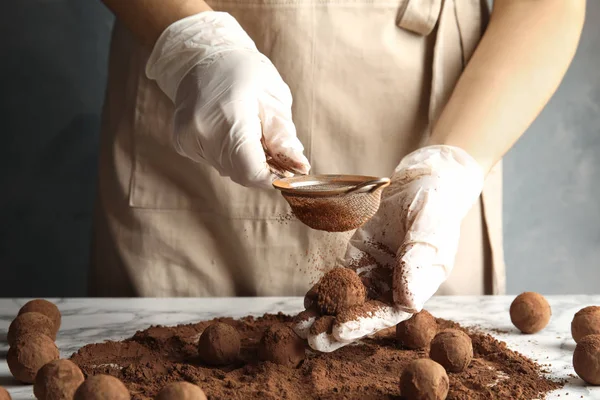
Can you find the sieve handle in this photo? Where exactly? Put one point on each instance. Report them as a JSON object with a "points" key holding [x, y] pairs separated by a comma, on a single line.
{"points": [[376, 183]]}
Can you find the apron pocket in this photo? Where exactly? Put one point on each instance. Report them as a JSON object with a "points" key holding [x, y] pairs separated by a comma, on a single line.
{"points": [[162, 179]]}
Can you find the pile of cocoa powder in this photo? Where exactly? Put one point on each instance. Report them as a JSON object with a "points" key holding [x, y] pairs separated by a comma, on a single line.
{"points": [[369, 370]]}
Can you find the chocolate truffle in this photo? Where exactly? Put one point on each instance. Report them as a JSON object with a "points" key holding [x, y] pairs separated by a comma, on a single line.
{"points": [[102, 387], [340, 288], [57, 380], [311, 298], [181, 391], [43, 307], [586, 359], [530, 312], [418, 331], [31, 322], [30, 353], [4, 394], [585, 322], [424, 379], [219, 344], [281, 345], [452, 349]]}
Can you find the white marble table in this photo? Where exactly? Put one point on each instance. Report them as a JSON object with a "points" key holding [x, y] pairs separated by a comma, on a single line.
{"points": [[93, 320]]}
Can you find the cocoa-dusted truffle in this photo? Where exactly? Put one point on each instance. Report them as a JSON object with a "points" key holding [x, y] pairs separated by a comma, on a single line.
{"points": [[31, 322], [102, 387], [530, 312], [452, 349], [4, 394], [43, 307], [219, 344], [57, 380], [311, 298], [585, 322], [417, 331], [338, 289], [424, 379], [181, 391], [281, 345], [586, 359], [30, 353]]}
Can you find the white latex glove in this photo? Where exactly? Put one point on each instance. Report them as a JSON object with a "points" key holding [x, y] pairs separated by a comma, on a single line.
{"points": [[407, 250], [233, 109]]}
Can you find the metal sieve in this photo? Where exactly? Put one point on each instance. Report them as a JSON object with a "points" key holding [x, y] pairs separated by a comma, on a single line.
{"points": [[333, 203]]}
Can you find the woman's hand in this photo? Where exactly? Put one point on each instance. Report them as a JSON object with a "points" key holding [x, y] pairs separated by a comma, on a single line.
{"points": [[232, 108], [407, 250]]}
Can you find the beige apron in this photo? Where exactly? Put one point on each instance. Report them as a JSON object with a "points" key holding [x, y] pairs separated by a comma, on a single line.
{"points": [[368, 78]]}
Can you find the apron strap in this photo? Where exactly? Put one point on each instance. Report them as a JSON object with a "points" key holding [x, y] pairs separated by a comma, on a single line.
{"points": [[419, 16], [458, 31], [448, 60]]}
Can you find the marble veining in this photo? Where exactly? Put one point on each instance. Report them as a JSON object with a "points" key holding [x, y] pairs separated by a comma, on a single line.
{"points": [[95, 320]]}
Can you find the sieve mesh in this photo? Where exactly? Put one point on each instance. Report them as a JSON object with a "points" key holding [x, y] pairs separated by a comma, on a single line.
{"points": [[335, 214], [328, 203]]}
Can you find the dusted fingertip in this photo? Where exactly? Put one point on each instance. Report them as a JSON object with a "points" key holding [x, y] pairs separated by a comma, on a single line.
{"points": [[404, 298], [292, 160], [410, 294], [321, 338], [365, 310], [324, 343], [323, 325], [302, 166], [303, 322], [361, 321], [406, 305]]}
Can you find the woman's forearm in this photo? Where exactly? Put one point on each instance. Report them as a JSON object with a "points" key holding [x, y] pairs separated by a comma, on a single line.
{"points": [[147, 19], [516, 68]]}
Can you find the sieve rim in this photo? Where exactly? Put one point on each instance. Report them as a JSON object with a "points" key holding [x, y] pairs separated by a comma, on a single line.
{"points": [[298, 185]]}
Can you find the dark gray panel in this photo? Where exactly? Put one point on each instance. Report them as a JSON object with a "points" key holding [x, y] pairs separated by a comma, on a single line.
{"points": [[52, 75]]}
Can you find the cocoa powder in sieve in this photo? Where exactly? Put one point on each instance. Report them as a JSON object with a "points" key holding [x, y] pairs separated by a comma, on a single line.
{"points": [[160, 355], [335, 213]]}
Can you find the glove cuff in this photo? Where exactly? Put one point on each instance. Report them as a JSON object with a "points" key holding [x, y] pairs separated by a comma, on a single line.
{"points": [[190, 41]]}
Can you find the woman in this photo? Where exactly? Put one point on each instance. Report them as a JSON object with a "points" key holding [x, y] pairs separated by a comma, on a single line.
{"points": [[197, 96]]}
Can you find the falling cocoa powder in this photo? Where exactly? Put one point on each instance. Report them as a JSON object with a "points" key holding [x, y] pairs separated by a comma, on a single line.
{"points": [[160, 355], [285, 218]]}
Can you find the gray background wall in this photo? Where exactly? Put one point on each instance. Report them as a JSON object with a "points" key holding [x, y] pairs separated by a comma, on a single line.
{"points": [[52, 75], [552, 184]]}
